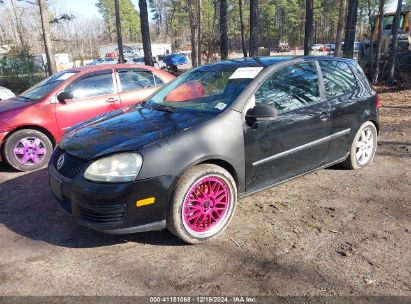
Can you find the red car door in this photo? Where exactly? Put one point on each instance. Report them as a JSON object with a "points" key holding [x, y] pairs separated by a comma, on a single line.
{"points": [[136, 84], [94, 94]]}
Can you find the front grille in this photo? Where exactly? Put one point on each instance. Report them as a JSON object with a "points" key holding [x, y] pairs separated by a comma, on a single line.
{"points": [[71, 166], [103, 215]]}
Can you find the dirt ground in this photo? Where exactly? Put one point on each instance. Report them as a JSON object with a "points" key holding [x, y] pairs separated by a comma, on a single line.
{"points": [[333, 232]]}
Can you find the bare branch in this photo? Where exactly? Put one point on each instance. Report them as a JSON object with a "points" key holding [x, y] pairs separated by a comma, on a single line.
{"points": [[29, 2], [64, 17]]}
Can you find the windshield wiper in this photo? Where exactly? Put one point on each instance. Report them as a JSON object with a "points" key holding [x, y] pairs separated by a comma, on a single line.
{"points": [[23, 98], [159, 107]]}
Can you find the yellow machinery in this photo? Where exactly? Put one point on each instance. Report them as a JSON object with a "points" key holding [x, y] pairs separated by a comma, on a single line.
{"points": [[404, 34]]}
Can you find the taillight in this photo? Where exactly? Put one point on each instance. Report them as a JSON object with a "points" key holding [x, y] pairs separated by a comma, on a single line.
{"points": [[377, 102]]}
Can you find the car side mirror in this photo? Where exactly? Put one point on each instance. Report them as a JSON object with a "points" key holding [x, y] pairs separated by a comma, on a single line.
{"points": [[63, 96], [261, 112]]}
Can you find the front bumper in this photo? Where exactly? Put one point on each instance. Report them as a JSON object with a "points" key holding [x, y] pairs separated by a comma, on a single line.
{"points": [[2, 137], [112, 208]]}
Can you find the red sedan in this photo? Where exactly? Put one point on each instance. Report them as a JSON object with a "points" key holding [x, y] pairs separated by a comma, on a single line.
{"points": [[33, 122]]}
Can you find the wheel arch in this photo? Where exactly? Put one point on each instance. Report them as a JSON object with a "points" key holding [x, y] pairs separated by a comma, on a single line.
{"points": [[33, 127], [223, 164], [376, 124], [218, 161]]}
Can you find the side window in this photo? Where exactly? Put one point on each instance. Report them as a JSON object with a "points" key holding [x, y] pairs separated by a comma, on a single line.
{"points": [[136, 79], [159, 82], [93, 85], [291, 88], [338, 78]]}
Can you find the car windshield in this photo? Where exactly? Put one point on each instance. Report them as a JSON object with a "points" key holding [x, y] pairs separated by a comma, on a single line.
{"points": [[206, 89], [45, 86]]}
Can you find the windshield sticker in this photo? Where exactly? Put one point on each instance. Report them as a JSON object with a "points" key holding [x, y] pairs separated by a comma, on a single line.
{"points": [[220, 106], [65, 76], [250, 72]]}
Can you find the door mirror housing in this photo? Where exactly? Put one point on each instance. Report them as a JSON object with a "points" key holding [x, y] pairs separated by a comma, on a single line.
{"points": [[261, 111], [63, 96]]}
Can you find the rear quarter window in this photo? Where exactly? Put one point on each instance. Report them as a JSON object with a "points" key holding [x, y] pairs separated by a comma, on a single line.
{"points": [[338, 78]]}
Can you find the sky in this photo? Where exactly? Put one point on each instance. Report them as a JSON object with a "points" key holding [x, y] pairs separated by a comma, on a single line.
{"points": [[87, 8]]}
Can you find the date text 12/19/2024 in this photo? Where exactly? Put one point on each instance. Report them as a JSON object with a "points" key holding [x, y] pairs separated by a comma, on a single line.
{"points": [[203, 299]]}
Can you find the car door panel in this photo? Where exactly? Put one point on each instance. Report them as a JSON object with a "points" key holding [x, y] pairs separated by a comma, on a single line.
{"points": [[136, 96], [294, 141], [346, 105], [291, 144], [84, 106]]}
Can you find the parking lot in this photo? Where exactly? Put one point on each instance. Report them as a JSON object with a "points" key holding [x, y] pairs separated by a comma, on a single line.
{"points": [[333, 232]]}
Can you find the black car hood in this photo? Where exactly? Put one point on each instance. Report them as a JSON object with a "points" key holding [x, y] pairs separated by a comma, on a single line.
{"points": [[13, 103], [128, 130]]}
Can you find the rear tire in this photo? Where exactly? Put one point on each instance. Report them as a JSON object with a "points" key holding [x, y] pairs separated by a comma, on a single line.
{"points": [[363, 147], [27, 150], [203, 204]]}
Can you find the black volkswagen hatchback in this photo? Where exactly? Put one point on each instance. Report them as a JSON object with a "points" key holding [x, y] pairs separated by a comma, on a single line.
{"points": [[216, 133]]}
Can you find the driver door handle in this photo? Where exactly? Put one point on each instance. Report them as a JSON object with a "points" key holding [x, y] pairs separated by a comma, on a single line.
{"points": [[111, 100]]}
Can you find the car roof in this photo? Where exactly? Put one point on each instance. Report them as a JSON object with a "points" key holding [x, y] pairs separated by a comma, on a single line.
{"points": [[110, 66], [265, 61]]}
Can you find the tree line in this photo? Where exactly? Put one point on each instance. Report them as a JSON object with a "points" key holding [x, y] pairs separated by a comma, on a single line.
{"points": [[213, 28], [221, 25]]}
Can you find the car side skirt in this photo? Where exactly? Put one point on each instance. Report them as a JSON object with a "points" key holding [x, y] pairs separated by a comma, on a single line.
{"points": [[246, 194], [302, 147]]}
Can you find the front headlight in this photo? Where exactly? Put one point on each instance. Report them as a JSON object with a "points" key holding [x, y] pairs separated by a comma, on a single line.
{"points": [[122, 167]]}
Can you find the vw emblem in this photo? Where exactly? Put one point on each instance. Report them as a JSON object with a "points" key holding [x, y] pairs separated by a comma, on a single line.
{"points": [[60, 162]]}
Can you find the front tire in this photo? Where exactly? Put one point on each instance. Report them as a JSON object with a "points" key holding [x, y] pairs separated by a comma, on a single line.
{"points": [[203, 204], [27, 150], [363, 147]]}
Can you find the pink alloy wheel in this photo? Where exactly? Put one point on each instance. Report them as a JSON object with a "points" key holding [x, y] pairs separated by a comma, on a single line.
{"points": [[206, 204], [29, 151]]}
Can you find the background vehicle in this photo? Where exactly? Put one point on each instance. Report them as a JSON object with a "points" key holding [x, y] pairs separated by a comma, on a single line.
{"points": [[283, 46], [403, 57], [33, 122], [5, 93], [158, 64], [107, 60], [174, 60], [331, 46], [404, 35], [137, 60], [317, 47], [236, 127]]}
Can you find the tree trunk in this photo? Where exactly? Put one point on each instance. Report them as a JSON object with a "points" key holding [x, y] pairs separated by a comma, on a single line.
{"points": [[223, 30], [48, 47], [340, 27], [350, 28], [253, 28], [240, 3], [193, 26], [119, 36], [379, 43], [200, 37], [309, 19], [145, 33], [372, 38], [394, 43]]}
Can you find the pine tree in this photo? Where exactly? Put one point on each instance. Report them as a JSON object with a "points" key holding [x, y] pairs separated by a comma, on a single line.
{"points": [[253, 28], [145, 33], [223, 30]]}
